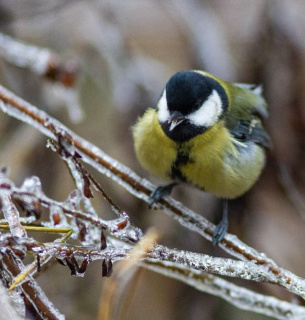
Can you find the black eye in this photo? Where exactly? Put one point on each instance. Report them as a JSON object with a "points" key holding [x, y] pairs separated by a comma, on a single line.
{"points": [[198, 104]]}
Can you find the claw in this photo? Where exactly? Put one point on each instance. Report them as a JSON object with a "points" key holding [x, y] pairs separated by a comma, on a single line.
{"points": [[160, 192]]}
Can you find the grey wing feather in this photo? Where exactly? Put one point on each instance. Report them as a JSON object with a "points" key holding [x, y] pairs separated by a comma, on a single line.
{"points": [[252, 131]]}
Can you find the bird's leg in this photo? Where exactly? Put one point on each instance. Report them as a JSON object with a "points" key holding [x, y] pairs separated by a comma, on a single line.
{"points": [[222, 227], [160, 192]]}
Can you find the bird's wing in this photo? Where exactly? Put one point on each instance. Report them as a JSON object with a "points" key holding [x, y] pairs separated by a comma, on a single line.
{"points": [[251, 130], [244, 121], [260, 106]]}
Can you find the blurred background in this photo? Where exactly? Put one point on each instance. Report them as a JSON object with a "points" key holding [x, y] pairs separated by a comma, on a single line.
{"points": [[126, 51]]}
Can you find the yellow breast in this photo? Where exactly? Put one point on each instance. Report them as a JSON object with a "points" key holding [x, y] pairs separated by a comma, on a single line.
{"points": [[215, 162], [219, 166], [154, 150]]}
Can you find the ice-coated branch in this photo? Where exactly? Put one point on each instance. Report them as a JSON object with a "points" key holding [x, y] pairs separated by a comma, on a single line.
{"points": [[240, 297], [62, 76], [247, 270], [39, 60], [8, 307], [117, 227], [12, 265], [203, 262], [82, 177], [11, 215], [184, 266], [61, 250], [80, 185], [22, 110]]}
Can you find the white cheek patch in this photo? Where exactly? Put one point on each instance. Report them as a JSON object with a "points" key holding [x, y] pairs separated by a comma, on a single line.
{"points": [[208, 113], [163, 113]]}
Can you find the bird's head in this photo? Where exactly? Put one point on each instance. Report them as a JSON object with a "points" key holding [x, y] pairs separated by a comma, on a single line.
{"points": [[190, 104]]}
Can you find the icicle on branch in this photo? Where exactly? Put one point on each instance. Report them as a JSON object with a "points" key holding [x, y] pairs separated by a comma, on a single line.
{"points": [[11, 215], [114, 227]]}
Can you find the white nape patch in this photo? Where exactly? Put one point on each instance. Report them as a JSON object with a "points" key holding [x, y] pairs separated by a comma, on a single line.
{"points": [[208, 113], [163, 113]]}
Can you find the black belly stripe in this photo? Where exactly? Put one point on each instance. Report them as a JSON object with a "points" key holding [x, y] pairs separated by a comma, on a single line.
{"points": [[181, 160]]}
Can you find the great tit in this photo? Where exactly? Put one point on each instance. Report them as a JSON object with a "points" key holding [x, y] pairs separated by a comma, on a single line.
{"points": [[207, 132]]}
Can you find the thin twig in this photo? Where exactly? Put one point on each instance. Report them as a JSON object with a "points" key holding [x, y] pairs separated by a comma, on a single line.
{"points": [[11, 215], [114, 227], [9, 309], [13, 265], [39, 60]]}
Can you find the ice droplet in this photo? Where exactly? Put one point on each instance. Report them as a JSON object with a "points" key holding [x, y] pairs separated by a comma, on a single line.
{"points": [[73, 201], [32, 185]]}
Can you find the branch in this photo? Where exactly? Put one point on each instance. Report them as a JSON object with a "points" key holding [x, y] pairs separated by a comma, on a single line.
{"points": [[8, 307], [11, 215], [240, 297], [61, 76], [35, 296], [247, 270], [184, 266], [117, 227], [41, 61]]}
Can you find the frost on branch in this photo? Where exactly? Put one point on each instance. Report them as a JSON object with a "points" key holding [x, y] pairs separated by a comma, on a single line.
{"points": [[60, 87], [238, 296]]}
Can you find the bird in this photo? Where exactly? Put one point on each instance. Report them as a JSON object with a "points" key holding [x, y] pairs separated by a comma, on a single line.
{"points": [[206, 132]]}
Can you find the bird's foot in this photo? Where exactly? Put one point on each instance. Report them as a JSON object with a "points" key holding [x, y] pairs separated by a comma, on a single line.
{"points": [[220, 231], [160, 192], [222, 227]]}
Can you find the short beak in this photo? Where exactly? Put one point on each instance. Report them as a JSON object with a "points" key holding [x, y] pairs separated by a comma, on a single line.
{"points": [[175, 119]]}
